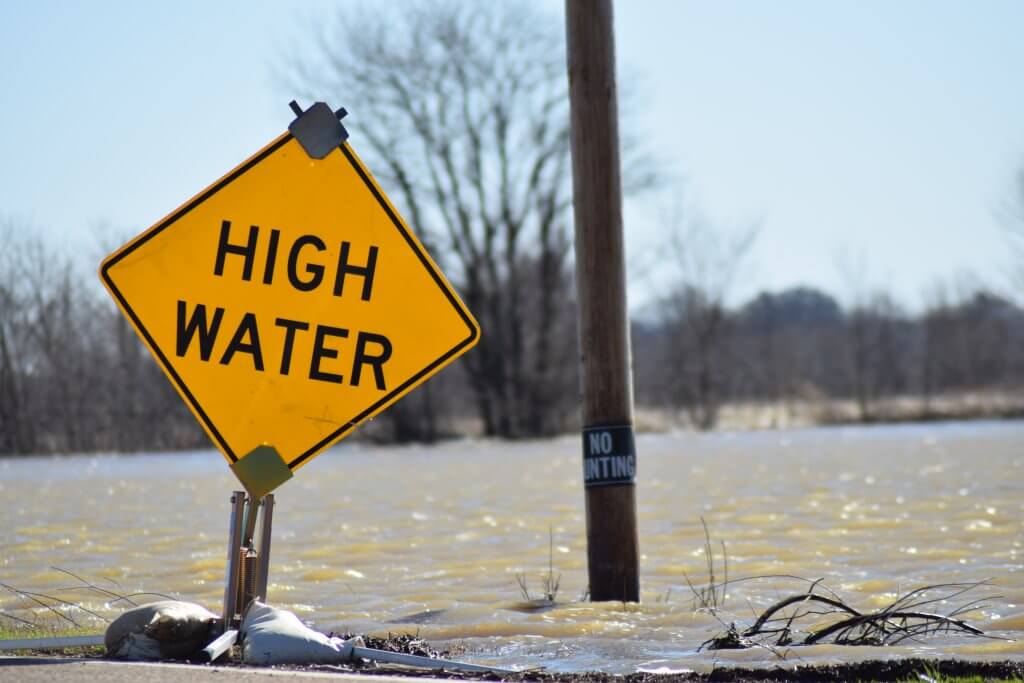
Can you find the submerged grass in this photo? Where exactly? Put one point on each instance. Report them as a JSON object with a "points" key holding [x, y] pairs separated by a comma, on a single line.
{"points": [[550, 582], [52, 630]]}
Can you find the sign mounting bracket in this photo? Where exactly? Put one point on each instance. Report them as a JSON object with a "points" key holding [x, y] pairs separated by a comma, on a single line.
{"points": [[318, 129]]}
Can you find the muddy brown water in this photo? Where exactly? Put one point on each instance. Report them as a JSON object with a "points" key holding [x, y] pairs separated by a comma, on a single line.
{"points": [[429, 540]]}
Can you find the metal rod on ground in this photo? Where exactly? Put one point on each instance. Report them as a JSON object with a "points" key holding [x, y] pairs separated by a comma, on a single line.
{"points": [[266, 526], [609, 452], [234, 549], [422, 662], [223, 643]]}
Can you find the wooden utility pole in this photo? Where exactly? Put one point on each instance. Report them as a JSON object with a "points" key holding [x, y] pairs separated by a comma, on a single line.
{"points": [[609, 453]]}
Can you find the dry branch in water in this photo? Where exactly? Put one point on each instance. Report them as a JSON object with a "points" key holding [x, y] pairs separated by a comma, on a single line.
{"points": [[550, 582], [904, 619], [709, 598]]}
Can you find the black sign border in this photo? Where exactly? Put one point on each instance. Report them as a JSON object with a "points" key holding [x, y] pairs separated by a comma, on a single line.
{"points": [[474, 330]]}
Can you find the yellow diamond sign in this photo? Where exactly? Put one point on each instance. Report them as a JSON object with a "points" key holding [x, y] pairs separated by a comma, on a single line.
{"points": [[288, 302]]}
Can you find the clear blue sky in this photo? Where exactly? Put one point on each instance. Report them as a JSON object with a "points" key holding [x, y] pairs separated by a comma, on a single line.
{"points": [[888, 130]]}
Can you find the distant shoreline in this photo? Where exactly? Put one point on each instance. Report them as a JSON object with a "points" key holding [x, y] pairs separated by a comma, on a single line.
{"points": [[820, 412], [736, 416]]}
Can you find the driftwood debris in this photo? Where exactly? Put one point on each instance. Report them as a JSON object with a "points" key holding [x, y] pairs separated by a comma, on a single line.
{"points": [[785, 622], [819, 615]]}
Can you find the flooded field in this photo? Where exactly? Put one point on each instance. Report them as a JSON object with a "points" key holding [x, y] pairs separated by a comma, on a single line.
{"points": [[430, 540]]}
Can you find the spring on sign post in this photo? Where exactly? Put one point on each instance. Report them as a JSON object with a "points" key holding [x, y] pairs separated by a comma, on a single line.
{"points": [[248, 577]]}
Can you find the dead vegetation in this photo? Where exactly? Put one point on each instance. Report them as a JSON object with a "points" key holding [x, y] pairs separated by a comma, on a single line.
{"points": [[796, 619], [819, 615], [550, 581], [712, 596], [44, 611]]}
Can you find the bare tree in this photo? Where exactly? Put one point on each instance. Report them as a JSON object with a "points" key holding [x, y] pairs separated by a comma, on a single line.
{"points": [[788, 339], [972, 340], [73, 375], [935, 333], [705, 265], [866, 322], [874, 350], [43, 364], [17, 435], [461, 110]]}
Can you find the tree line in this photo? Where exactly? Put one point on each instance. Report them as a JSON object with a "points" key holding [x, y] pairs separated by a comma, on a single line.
{"points": [[74, 376], [801, 346]]}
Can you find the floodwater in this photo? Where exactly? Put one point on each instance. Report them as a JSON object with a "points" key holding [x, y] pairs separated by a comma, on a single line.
{"points": [[430, 540]]}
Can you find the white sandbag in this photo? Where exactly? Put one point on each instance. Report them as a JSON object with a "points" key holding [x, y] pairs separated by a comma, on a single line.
{"points": [[169, 629], [276, 636]]}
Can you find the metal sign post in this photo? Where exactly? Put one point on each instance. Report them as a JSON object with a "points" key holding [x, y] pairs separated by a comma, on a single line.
{"points": [[248, 562], [234, 546]]}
